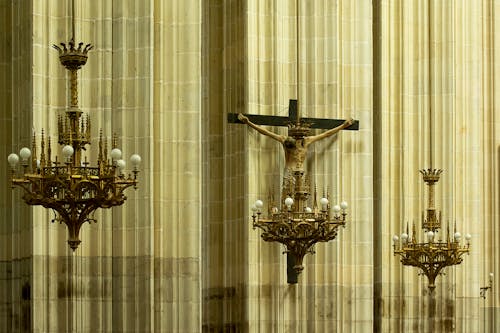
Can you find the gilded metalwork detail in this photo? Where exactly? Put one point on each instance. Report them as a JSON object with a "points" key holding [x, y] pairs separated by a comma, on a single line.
{"points": [[434, 255], [296, 222]]}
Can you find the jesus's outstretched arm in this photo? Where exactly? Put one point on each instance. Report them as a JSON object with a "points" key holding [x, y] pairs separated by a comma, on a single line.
{"points": [[330, 132], [260, 129]]}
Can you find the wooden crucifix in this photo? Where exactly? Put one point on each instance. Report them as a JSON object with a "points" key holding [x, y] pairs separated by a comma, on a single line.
{"points": [[295, 144], [298, 140], [319, 123]]}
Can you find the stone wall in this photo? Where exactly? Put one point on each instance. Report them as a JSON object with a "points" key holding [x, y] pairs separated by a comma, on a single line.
{"points": [[181, 255]]}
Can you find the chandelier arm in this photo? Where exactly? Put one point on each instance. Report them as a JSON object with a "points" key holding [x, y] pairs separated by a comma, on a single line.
{"points": [[84, 213], [125, 185], [64, 216]]}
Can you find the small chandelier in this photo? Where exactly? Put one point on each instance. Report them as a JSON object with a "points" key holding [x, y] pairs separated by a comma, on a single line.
{"points": [[295, 221], [69, 186], [431, 256]]}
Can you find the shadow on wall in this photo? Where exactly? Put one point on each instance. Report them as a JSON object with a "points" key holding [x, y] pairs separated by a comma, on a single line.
{"points": [[26, 307]]}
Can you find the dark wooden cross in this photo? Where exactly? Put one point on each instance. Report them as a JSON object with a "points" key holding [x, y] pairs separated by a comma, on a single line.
{"points": [[321, 123]]}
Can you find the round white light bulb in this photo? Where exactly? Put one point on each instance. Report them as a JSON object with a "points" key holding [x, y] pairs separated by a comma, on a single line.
{"points": [[116, 154], [25, 153], [336, 208], [308, 210], [67, 151], [344, 205], [404, 237], [468, 237], [259, 204], [430, 235], [120, 164], [395, 238], [13, 160], [135, 160], [253, 208], [288, 202], [323, 201], [457, 236]]}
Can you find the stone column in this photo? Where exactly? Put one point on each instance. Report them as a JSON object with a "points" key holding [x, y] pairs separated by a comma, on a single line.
{"points": [[177, 165], [16, 233], [451, 74], [332, 80]]}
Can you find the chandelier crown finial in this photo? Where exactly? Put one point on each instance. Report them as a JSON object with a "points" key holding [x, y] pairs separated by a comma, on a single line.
{"points": [[431, 175], [71, 57]]}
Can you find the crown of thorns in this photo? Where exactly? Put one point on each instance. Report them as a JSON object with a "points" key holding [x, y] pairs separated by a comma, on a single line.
{"points": [[299, 129]]}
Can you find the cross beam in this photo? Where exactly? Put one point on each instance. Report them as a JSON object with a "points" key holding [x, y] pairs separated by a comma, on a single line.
{"points": [[321, 123]]}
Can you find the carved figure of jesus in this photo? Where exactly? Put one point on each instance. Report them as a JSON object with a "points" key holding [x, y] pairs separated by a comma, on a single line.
{"points": [[296, 143]]}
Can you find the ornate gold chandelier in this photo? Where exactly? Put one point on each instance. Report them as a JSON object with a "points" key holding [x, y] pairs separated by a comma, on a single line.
{"points": [[69, 186], [295, 221], [431, 256]]}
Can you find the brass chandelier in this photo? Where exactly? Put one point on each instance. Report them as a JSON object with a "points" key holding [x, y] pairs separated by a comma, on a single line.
{"points": [[298, 221], [431, 256], [68, 185]]}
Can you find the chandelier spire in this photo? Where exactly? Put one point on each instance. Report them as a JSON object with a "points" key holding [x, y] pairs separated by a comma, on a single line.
{"points": [[297, 64], [73, 20]]}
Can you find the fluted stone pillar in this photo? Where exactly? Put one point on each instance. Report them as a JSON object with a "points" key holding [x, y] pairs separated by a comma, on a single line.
{"points": [[16, 234], [434, 77], [138, 268], [177, 167], [261, 72]]}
